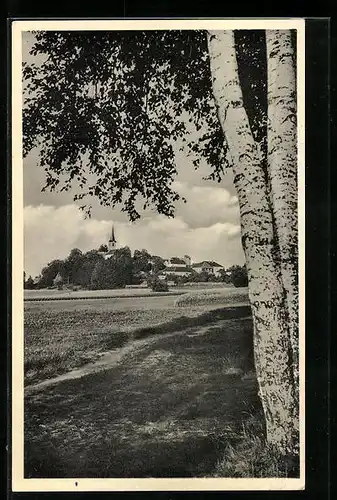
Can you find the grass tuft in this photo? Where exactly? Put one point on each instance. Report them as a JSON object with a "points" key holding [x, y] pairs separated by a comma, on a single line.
{"points": [[252, 456], [234, 363]]}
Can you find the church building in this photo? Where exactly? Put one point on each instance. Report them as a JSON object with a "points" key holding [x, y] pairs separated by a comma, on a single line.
{"points": [[112, 243]]}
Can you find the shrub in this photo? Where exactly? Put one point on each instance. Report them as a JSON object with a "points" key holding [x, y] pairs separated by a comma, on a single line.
{"points": [[29, 284], [239, 276], [159, 286]]}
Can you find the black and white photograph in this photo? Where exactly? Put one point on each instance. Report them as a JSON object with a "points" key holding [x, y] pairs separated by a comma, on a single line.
{"points": [[158, 255]]}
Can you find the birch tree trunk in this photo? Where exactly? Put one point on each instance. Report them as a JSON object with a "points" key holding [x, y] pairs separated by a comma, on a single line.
{"points": [[272, 347], [282, 167]]}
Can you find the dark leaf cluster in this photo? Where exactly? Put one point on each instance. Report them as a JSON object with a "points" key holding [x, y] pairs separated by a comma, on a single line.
{"points": [[104, 109]]}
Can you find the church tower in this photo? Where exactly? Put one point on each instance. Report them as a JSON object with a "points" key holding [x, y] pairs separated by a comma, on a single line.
{"points": [[112, 240]]}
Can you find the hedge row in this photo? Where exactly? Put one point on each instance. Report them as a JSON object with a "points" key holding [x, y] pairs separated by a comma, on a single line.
{"points": [[225, 297]]}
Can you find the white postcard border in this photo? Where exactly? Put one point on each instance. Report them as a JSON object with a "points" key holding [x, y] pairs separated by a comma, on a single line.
{"points": [[19, 483]]}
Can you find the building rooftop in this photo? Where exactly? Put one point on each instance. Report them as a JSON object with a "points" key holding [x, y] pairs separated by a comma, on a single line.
{"points": [[58, 279], [207, 263], [177, 260], [215, 264]]}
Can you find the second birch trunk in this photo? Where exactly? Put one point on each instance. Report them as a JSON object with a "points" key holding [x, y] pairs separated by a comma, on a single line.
{"points": [[272, 347], [282, 167]]}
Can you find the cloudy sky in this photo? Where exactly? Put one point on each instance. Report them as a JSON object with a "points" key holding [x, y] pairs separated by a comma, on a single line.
{"points": [[206, 227]]}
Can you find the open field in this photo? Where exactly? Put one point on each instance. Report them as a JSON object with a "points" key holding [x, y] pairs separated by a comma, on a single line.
{"points": [[140, 388], [167, 408], [61, 335], [45, 293]]}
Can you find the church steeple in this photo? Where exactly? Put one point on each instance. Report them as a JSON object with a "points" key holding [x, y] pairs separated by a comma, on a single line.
{"points": [[112, 241]]}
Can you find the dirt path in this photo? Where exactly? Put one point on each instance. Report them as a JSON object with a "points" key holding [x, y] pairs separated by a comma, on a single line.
{"points": [[164, 406], [107, 360]]}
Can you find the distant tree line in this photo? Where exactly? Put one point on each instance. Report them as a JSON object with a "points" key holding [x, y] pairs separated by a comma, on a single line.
{"points": [[90, 270], [236, 275]]}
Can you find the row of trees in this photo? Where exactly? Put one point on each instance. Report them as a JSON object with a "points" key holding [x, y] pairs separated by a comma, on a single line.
{"points": [[90, 270], [236, 275]]}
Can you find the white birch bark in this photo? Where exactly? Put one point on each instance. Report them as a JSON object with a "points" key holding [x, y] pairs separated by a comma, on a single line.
{"points": [[282, 167], [266, 292]]}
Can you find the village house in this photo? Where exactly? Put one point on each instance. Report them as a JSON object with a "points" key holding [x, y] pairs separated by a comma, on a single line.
{"points": [[58, 280], [182, 271], [209, 267], [177, 266], [178, 262]]}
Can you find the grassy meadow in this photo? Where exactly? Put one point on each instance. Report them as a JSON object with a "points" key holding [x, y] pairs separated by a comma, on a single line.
{"points": [[62, 335], [178, 401]]}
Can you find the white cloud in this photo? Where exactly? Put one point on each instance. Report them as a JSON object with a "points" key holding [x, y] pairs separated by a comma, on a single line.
{"points": [[206, 205], [50, 233], [189, 182]]}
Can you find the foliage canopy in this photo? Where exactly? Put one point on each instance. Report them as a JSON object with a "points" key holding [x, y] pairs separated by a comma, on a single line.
{"points": [[105, 109]]}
